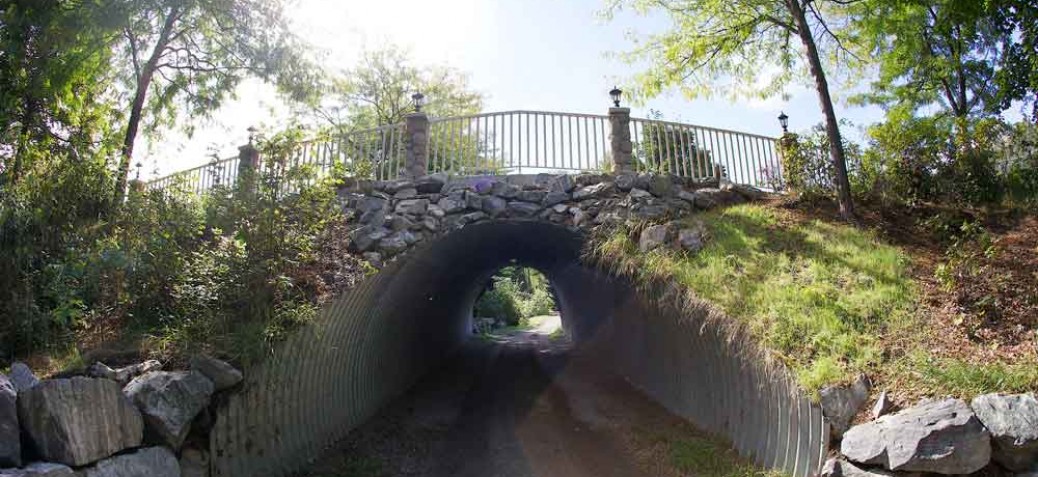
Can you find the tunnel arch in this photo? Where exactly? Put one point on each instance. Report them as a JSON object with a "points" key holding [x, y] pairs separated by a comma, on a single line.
{"points": [[372, 343]]}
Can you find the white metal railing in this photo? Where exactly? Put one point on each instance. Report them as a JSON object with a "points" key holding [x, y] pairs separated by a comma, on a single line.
{"points": [[697, 151], [517, 142], [523, 142]]}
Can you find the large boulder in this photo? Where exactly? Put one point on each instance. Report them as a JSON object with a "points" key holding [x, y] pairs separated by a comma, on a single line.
{"points": [[942, 437], [593, 191], [1013, 423], [169, 402], [431, 184], [10, 443], [841, 403], [79, 420], [150, 462], [39, 469], [221, 373], [22, 377], [654, 237]]}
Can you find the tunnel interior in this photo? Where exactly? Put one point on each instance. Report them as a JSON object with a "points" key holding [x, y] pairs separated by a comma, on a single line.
{"points": [[379, 338]]}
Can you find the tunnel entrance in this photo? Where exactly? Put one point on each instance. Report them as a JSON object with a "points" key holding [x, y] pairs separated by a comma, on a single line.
{"points": [[392, 380]]}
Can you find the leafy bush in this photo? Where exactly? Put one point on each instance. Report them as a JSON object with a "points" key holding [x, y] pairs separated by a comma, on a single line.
{"points": [[515, 295], [807, 166]]}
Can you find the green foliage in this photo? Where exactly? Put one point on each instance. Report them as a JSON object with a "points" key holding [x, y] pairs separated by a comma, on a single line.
{"points": [[968, 379], [707, 458], [515, 295], [819, 296], [807, 168]]}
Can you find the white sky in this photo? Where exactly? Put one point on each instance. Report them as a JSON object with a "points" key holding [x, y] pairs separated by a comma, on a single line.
{"points": [[523, 54]]}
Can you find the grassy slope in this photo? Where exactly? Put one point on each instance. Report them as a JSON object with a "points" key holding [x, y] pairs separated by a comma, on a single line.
{"points": [[829, 300]]}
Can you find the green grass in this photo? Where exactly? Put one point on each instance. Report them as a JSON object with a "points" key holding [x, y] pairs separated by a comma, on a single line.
{"points": [[706, 458], [971, 379], [817, 295]]}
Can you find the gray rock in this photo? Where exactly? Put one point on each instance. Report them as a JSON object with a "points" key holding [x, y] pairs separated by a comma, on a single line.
{"points": [[693, 238], [522, 209], [79, 420], [393, 187], [579, 216], [535, 196], [473, 217], [39, 469], [654, 237], [494, 205], [561, 183], [436, 211], [640, 194], [370, 203], [392, 244], [450, 205], [432, 183], [373, 217], [625, 182], [22, 377], [473, 200], [587, 179], [687, 196], [841, 403], [412, 206], [504, 190], [10, 436], [397, 223], [840, 468], [593, 191], [221, 373], [554, 198], [374, 258], [642, 180], [560, 208], [169, 401], [661, 186], [194, 463], [125, 374], [406, 193], [942, 437], [1012, 421], [150, 462], [650, 211], [883, 406], [746, 191]]}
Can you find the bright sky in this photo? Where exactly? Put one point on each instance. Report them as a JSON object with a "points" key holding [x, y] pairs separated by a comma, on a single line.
{"points": [[523, 54]]}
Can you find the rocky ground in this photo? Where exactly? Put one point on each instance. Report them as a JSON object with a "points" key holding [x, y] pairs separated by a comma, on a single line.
{"points": [[518, 404]]}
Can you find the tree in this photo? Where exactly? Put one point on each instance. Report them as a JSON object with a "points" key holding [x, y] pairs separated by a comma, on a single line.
{"points": [[932, 53], [378, 92], [54, 61], [1016, 22], [190, 55], [734, 41]]}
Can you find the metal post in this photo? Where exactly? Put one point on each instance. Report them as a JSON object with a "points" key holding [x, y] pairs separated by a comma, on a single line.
{"points": [[620, 139], [416, 147]]}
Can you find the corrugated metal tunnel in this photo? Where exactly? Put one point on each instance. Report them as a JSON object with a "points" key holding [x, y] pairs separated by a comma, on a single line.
{"points": [[376, 340]]}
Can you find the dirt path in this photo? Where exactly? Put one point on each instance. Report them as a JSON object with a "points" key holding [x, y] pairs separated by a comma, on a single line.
{"points": [[516, 406]]}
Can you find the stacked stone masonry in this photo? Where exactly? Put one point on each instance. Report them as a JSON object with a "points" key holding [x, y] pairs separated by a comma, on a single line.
{"points": [[131, 421]]}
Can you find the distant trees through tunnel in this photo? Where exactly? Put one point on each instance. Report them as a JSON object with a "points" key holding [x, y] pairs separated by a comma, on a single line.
{"points": [[512, 297]]}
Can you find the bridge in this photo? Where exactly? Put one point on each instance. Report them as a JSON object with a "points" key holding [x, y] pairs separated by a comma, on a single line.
{"points": [[441, 204]]}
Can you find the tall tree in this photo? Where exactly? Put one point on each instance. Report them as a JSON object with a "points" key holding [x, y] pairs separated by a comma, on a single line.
{"points": [[1016, 21], [190, 55], [933, 54], [378, 91], [54, 59], [734, 44]]}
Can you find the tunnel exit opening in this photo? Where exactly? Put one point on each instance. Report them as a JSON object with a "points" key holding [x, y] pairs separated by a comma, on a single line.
{"points": [[517, 298]]}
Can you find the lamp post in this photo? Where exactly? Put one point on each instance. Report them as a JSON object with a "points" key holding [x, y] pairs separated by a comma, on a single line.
{"points": [[418, 99], [615, 94], [784, 121]]}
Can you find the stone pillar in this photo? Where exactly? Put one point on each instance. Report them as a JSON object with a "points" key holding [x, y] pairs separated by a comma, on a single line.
{"points": [[248, 168], [620, 140], [417, 147]]}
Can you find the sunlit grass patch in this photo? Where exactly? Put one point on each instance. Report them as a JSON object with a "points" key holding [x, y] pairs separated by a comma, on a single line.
{"points": [[817, 295]]}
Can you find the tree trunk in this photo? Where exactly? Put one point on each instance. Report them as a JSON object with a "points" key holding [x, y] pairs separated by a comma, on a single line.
{"points": [[832, 126], [144, 80]]}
